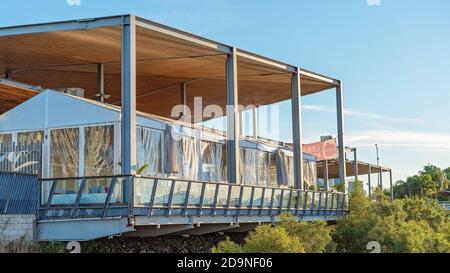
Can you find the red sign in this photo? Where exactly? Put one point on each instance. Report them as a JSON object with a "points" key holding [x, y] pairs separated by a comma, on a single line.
{"points": [[325, 150]]}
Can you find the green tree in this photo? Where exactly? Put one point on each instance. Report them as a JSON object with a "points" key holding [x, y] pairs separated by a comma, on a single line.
{"points": [[314, 236], [439, 176]]}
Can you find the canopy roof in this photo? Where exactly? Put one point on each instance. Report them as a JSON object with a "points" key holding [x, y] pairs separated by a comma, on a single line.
{"points": [[67, 54], [363, 169]]}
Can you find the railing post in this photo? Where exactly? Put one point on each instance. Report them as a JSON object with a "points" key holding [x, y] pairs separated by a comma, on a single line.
{"points": [[216, 195], [77, 202], [263, 195], [186, 200], [108, 196], [169, 204], [152, 198]]}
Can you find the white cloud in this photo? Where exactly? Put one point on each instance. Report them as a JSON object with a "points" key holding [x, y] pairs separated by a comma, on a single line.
{"points": [[374, 2], [73, 2], [360, 114], [400, 139]]}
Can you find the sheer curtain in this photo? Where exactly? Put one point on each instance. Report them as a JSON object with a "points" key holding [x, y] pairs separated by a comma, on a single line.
{"points": [[64, 155], [248, 166], [149, 151], [99, 151]]}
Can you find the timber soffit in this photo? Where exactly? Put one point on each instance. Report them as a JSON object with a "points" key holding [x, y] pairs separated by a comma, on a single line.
{"points": [[90, 23]]}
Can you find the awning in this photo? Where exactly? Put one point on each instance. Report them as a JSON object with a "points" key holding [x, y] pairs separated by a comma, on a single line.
{"points": [[363, 169]]}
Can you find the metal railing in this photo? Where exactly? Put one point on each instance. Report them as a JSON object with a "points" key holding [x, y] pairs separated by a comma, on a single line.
{"points": [[445, 205], [151, 197]]}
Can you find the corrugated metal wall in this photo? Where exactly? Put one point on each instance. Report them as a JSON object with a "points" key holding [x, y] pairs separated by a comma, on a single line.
{"points": [[19, 172], [18, 193]]}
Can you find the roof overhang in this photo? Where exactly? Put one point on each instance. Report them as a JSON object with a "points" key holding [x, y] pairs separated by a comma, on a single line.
{"points": [[363, 169], [66, 54]]}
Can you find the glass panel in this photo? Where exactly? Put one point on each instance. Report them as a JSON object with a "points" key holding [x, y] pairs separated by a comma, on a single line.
{"points": [[194, 194], [223, 195], [149, 151], [267, 197], [95, 191], [277, 199], [246, 196], [30, 138], [179, 194], [309, 201], [210, 190], [5, 140], [235, 193], [45, 191], [213, 155], [64, 155], [143, 189], [66, 192], [286, 199], [162, 192], [257, 198], [99, 151], [295, 196], [117, 195]]}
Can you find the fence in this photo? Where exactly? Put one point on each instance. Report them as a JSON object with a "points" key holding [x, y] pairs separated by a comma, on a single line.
{"points": [[151, 197], [20, 167]]}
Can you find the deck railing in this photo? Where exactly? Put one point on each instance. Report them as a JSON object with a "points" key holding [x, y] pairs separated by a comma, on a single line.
{"points": [[131, 196]]}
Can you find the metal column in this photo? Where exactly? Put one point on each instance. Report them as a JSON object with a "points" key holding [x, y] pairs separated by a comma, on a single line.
{"points": [[381, 178], [232, 119], [101, 82], [128, 136], [297, 128], [392, 186], [369, 181], [355, 164], [255, 122], [341, 143], [326, 175], [184, 116]]}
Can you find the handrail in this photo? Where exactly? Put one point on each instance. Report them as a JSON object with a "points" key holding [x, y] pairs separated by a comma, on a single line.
{"points": [[249, 200]]}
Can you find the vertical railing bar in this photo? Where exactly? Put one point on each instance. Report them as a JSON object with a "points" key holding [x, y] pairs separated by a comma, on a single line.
{"points": [[241, 195], [297, 203], [271, 202], [216, 196], [230, 190], [326, 203], [252, 197], [52, 191], [186, 200], [332, 203], [319, 208], [77, 202], [169, 204], [337, 204], [305, 203], [108, 196], [10, 191], [152, 197], [202, 199], [261, 207], [313, 203], [281, 202], [290, 201]]}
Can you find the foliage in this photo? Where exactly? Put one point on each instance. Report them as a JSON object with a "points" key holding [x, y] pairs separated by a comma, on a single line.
{"points": [[314, 236], [409, 225], [265, 239]]}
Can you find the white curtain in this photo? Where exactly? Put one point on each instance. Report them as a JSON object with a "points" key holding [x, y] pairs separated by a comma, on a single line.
{"points": [[99, 151], [213, 165], [64, 159], [149, 151], [248, 166]]}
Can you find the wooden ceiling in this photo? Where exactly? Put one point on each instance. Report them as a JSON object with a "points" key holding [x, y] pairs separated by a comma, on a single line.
{"points": [[67, 59], [11, 96], [333, 169]]}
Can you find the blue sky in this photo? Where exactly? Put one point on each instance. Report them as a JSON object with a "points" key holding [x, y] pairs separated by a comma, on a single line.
{"points": [[394, 60]]}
